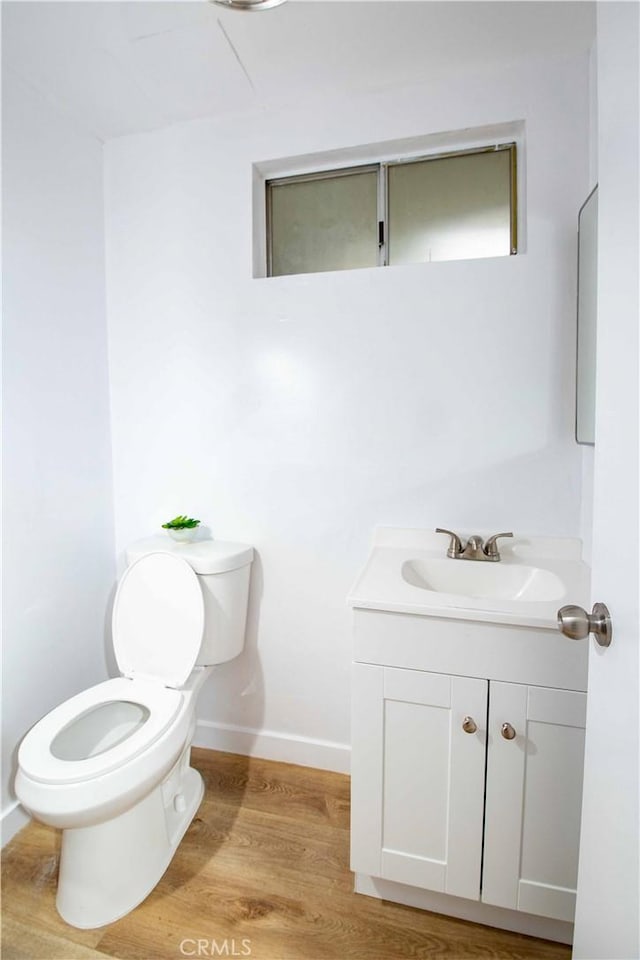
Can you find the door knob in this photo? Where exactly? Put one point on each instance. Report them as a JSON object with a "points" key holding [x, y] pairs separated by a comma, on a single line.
{"points": [[577, 624]]}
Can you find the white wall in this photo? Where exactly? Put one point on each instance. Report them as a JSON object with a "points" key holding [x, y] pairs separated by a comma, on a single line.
{"points": [[58, 524], [296, 413]]}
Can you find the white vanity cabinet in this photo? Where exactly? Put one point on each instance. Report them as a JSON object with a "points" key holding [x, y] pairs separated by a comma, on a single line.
{"points": [[417, 779], [533, 799], [467, 754]]}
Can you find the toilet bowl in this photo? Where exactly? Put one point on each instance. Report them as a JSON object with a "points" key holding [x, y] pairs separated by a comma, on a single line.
{"points": [[61, 762], [110, 766]]}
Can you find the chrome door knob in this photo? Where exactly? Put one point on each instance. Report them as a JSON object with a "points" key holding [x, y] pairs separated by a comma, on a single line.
{"points": [[507, 731], [574, 622], [469, 725]]}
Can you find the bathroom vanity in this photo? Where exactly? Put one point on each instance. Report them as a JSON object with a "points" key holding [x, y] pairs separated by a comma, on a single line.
{"points": [[468, 715]]}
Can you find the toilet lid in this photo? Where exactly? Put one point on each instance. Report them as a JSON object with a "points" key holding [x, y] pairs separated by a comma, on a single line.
{"points": [[158, 619]]}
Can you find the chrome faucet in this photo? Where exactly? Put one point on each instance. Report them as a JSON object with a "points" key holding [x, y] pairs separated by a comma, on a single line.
{"points": [[474, 549]]}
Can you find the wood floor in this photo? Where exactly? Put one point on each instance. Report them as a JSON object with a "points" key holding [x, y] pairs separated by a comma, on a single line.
{"points": [[262, 873]]}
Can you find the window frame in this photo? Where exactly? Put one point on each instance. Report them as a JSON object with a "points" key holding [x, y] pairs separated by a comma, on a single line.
{"points": [[381, 167]]}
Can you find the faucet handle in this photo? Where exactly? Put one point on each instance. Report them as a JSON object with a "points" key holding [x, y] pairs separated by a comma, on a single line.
{"points": [[455, 546], [491, 547]]}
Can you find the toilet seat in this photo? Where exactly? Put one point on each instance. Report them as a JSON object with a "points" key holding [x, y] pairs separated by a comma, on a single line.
{"points": [[35, 755], [158, 623]]}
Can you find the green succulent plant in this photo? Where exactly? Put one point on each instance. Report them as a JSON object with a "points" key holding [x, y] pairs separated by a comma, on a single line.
{"points": [[181, 523]]}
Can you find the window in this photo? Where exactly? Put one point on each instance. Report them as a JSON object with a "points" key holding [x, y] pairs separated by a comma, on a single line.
{"points": [[452, 206]]}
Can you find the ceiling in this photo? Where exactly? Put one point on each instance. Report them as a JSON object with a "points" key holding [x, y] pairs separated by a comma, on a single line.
{"points": [[119, 68]]}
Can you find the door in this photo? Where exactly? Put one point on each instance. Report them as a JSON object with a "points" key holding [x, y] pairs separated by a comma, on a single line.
{"points": [[417, 778], [607, 920], [534, 791]]}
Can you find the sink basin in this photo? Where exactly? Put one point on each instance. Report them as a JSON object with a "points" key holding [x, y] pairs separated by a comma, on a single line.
{"points": [[490, 581], [408, 572]]}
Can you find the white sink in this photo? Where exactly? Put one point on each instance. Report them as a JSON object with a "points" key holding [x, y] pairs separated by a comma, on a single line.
{"points": [[408, 572], [491, 581]]}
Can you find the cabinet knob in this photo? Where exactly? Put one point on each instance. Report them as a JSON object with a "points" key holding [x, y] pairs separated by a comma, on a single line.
{"points": [[507, 731], [469, 725]]}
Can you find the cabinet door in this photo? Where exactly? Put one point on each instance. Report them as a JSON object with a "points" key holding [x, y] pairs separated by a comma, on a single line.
{"points": [[417, 778], [534, 794]]}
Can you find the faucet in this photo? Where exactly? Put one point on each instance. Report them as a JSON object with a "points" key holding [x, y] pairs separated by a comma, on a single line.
{"points": [[474, 549]]}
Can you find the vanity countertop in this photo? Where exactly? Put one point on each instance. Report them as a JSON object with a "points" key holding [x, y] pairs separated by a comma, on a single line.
{"points": [[537, 575]]}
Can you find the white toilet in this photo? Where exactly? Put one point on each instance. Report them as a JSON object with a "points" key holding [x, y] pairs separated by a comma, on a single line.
{"points": [[110, 766]]}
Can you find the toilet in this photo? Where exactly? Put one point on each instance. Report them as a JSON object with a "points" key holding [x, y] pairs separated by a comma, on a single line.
{"points": [[110, 766]]}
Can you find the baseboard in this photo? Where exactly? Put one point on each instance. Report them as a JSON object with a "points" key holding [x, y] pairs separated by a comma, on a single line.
{"points": [[547, 929], [269, 745], [12, 820]]}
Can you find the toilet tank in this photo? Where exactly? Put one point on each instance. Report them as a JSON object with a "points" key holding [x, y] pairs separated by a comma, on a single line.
{"points": [[223, 570]]}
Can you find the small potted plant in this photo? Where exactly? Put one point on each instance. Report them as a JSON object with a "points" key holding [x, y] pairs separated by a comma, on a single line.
{"points": [[181, 528]]}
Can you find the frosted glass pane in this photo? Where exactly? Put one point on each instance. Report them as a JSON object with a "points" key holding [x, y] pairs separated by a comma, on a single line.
{"points": [[327, 224], [453, 208]]}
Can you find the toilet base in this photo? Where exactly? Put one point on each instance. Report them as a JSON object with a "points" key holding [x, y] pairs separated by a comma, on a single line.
{"points": [[108, 869]]}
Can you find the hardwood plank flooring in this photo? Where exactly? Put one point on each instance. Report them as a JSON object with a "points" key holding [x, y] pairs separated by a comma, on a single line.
{"points": [[263, 872]]}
